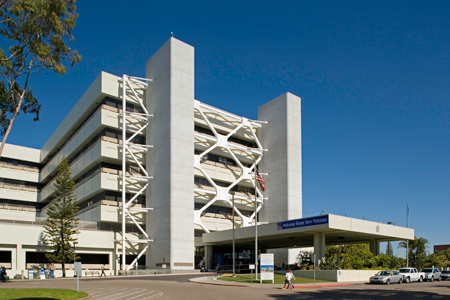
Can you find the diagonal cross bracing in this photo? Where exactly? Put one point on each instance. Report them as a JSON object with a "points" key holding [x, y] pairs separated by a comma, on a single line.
{"points": [[133, 90], [208, 114]]}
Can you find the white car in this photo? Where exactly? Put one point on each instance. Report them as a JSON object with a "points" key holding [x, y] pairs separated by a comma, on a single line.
{"points": [[411, 275]]}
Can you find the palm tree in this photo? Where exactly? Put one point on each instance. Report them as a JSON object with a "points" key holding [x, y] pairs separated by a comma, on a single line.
{"points": [[446, 254], [417, 251], [436, 260]]}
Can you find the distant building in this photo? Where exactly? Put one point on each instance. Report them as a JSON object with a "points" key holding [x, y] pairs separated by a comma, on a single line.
{"points": [[438, 248]]}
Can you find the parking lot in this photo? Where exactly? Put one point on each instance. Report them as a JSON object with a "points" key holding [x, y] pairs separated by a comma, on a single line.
{"points": [[178, 287]]}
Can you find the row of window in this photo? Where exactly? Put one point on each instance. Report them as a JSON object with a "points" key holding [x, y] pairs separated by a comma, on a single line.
{"points": [[106, 101], [113, 133], [19, 203], [221, 210], [236, 188], [110, 196], [114, 196], [230, 139], [220, 159], [21, 183], [19, 163]]}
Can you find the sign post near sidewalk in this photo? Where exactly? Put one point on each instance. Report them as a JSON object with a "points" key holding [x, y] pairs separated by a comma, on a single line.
{"points": [[77, 269], [267, 268]]}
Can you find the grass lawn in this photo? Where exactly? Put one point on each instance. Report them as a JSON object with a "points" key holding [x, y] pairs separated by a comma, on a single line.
{"points": [[278, 279], [43, 294]]}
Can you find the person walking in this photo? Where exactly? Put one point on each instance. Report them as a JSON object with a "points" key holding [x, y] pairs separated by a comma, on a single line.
{"points": [[287, 279], [3, 274], [292, 278], [52, 270], [103, 271]]}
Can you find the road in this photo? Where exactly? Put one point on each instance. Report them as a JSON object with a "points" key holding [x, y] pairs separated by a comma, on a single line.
{"points": [[178, 287]]}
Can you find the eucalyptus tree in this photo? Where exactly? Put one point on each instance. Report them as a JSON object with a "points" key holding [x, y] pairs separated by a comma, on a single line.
{"points": [[37, 33]]}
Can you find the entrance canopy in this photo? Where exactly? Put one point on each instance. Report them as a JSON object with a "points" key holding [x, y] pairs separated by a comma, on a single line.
{"points": [[317, 232]]}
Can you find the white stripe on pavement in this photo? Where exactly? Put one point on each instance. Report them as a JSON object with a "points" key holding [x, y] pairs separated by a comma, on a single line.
{"points": [[108, 292], [126, 292], [140, 295], [156, 295]]}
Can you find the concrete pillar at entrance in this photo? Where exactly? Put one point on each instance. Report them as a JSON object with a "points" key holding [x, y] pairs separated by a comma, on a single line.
{"points": [[208, 256], [319, 245], [375, 247]]}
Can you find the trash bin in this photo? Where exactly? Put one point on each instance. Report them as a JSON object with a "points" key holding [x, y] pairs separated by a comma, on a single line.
{"points": [[30, 274], [42, 273]]}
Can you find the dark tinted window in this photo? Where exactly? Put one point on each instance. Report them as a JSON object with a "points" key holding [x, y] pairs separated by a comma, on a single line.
{"points": [[404, 271]]}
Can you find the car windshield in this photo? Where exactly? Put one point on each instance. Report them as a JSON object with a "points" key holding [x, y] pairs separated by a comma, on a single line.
{"points": [[445, 272], [427, 270], [384, 273], [404, 270]]}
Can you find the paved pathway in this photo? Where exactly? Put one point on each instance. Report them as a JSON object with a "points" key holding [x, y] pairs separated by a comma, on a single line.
{"points": [[183, 287], [123, 293]]}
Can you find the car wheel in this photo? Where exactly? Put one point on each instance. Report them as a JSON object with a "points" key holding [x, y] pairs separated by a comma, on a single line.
{"points": [[408, 279], [388, 282], [400, 281], [420, 279], [432, 278]]}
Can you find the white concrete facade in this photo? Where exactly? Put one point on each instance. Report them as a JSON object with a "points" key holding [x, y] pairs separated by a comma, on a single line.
{"points": [[171, 100], [202, 163]]}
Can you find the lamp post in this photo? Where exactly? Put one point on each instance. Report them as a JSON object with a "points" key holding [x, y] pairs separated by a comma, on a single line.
{"points": [[234, 245], [74, 256]]}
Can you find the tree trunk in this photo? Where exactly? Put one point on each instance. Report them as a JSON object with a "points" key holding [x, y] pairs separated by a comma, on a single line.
{"points": [[64, 269], [18, 107], [8, 130]]}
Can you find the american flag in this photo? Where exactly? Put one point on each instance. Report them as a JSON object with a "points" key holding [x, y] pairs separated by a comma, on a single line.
{"points": [[260, 180]]}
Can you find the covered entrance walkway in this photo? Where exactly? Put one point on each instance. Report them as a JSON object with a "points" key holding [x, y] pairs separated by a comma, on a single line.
{"points": [[317, 232]]}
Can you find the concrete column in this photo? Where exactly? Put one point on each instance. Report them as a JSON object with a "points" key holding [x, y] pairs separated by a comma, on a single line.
{"points": [[112, 260], [170, 98], [282, 136], [20, 259], [375, 247], [208, 256], [319, 245]]}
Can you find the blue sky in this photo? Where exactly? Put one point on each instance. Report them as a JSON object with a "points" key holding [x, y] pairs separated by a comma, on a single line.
{"points": [[373, 77]]}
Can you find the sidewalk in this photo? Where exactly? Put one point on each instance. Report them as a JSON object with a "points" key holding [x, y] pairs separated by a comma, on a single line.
{"points": [[214, 281]]}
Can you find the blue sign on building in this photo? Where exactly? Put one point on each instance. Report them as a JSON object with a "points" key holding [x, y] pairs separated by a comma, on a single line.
{"points": [[303, 222]]}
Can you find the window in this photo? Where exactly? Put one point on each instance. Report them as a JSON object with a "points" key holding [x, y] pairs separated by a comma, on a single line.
{"points": [[223, 160]]}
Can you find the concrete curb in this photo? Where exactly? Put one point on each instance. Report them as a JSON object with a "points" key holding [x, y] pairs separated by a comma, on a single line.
{"points": [[324, 285], [213, 283], [138, 276], [88, 296], [203, 280]]}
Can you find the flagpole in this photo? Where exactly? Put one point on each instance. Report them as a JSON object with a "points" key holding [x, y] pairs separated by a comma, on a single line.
{"points": [[407, 241], [256, 227]]}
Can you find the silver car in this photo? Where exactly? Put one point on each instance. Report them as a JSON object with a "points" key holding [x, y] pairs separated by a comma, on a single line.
{"points": [[432, 274], [445, 275], [387, 277]]}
